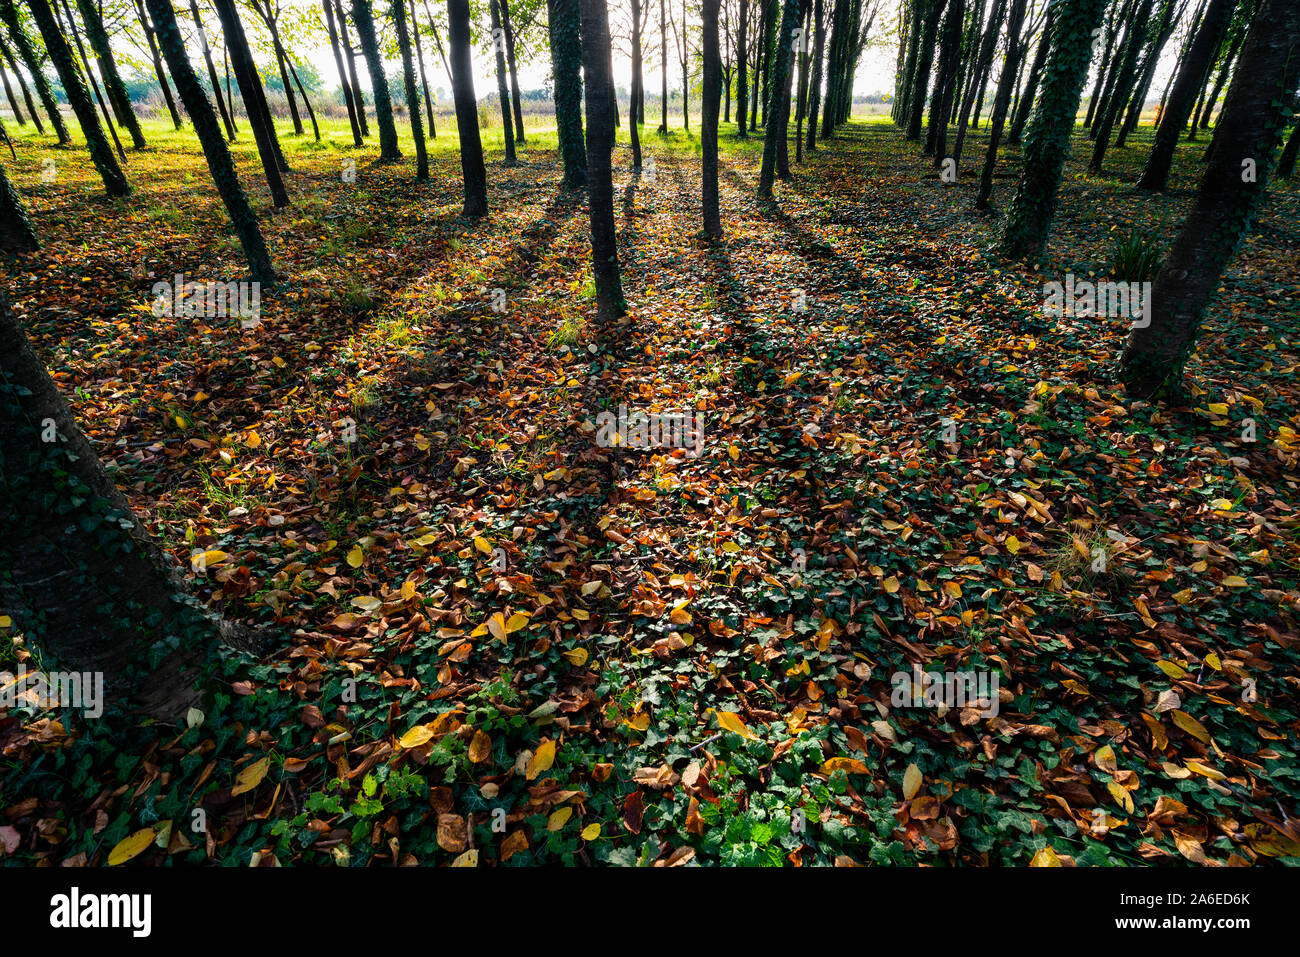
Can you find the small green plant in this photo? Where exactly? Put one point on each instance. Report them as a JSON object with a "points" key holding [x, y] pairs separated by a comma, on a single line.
{"points": [[1136, 257]]}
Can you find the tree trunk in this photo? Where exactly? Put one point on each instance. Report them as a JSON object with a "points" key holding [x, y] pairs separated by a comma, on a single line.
{"points": [[27, 53], [78, 571], [113, 86], [1001, 101], [515, 101], [1182, 98], [412, 91], [600, 144], [1123, 86], [1286, 164], [16, 232], [212, 68], [250, 89], [925, 61], [503, 86], [8, 56], [983, 61], [1251, 129], [11, 96], [210, 138], [564, 24], [1047, 144], [709, 119], [79, 98], [936, 136], [424, 78], [776, 131], [350, 51], [638, 83], [364, 20], [462, 88], [104, 108], [742, 71], [815, 89], [1026, 104], [348, 101]]}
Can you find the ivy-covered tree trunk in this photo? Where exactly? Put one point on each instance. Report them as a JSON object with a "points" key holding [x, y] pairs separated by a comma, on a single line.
{"points": [[11, 96], [472, 169], [515, 102], [250, 89], [27, 53], [776, 130], [1182, 98], [564, 25], [212, 71], [210, 138], [925, 61], [9, 58], [1047, 143], [1111, 33], [147, 26], [815, 89], [1251, 128], [1001, 101], [348, 101], [79, 98], [638, 87], [113, 86], [16, 232], [742, 71], [412, 91], [389, 151], [941, 100], [600, 145], [712, 93], [79, 573], [902, 111], [503, 85]]}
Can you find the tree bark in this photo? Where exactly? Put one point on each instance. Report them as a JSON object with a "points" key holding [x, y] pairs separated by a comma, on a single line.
{"points": [[564, 24], [1155, 175], [462, 87], [638, 86], [742, 70], [212, 69], [709, 120], [16, 232], [1026, 104], [214, 147], [412, 91], [925, 61], [350, 52], [776, 131], [27, 53], [1047, 143], [250, 89], [1001, 101], [79, 98], [1251, 129], [362, 17], [1123, 86], [600, 144], [113, 86], [348, 101], [515, 101], [503, 85]]}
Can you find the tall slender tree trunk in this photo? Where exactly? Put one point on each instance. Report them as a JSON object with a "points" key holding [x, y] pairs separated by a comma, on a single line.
{"points": [[250, 89], [101, 153], [210, 138], [348, 100], [663, 67], [424, 78], [147, 25], [564, 24], [742, 70], [1251, 129], [27, 53], [638, 84], [945, 82], [1155, 175], [815, 90], [412, 91], [212, 68], [1047, 143], [775, 131], [924, 63], [364, 20], [1001, 101], [113, 86], [104, 108], [351, 53], [503, 85], [9, 58], [472, 169], [1026, 104], [982, 62], [1123, 87], [1286, 164], [600, 144], [709, 119], [11, 96], [515, 100]]}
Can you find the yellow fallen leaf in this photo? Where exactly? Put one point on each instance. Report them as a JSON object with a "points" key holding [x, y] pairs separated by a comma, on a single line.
{"points": [[251, 776], [576, 657], [912, 779], [730, 721], [1046, 858], [1191, 726], [890, 584], [1121, 796], [1205, 770], [356, 556], [483, 545], [559, 819], [591, 832], [1235, 581], [480, 746], [131, 846], [541, 760], [417, 736], [851, 765]]}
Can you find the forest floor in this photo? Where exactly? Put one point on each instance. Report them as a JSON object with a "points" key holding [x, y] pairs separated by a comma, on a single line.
{"points": [[503, 642]]}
